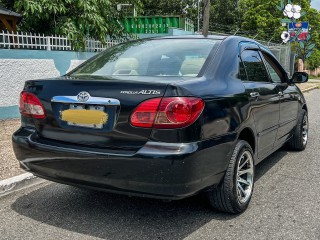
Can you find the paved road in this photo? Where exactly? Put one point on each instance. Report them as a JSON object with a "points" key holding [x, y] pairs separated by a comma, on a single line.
{"points": [[285, 205]]}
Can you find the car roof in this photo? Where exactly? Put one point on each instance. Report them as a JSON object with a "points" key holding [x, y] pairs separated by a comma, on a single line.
{"points": [[194, 36], [213, 37]]}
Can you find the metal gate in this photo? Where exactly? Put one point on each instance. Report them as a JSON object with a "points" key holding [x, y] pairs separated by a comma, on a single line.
{"points": [[283, 55]]}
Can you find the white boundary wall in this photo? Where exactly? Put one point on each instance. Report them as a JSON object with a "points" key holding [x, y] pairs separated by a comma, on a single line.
{"points": [[14, 72], [21, 40]]}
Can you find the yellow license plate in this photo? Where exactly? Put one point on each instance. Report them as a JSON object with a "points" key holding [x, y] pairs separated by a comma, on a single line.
{"points": [[84, 116]]}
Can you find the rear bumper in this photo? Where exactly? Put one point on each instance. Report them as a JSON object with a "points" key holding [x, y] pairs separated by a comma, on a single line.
{"points": [[158, 170]]}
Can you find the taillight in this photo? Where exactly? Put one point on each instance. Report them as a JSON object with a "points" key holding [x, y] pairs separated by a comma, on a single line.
{"points": [[168, 112], [145, 113], [31, 106]]}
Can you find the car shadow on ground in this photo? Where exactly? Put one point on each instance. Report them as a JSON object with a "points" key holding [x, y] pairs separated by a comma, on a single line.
{"points": [[263, 167], [114, 216]]}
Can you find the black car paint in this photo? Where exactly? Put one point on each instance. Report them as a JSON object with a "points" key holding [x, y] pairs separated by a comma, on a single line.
{"points": [[155, 162]]}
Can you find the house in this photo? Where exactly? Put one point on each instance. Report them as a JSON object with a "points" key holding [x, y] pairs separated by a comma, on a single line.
{"points": [[8, 20]]}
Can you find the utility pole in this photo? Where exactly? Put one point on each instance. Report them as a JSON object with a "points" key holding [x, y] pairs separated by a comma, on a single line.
{"points": [[206, 15], [198, 18]]}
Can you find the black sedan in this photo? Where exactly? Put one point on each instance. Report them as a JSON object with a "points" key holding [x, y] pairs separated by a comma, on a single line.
{"points": [[164, 118]]}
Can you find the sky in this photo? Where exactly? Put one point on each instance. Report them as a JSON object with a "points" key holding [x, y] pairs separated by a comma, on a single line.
{"points": [[315, 4]]}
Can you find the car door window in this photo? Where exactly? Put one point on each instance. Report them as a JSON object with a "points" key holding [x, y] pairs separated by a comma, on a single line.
{"points": [[254, 67], [242, 72], [275, 73]]}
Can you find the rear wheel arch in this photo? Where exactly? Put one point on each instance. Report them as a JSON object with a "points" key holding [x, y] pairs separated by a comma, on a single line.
{"points": [[305, 107], [234, 192], [248, 135]]}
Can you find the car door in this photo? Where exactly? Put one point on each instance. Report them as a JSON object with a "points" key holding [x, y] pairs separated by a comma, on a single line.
{"points": [[264, 99], [289, 98]]}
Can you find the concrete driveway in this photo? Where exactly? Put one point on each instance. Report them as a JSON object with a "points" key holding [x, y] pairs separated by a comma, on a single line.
{"points": [[285, 205]]}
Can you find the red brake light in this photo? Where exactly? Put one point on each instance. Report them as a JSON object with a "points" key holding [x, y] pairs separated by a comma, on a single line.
{"points": [[168, 112], [31, 106], [145, 113]]}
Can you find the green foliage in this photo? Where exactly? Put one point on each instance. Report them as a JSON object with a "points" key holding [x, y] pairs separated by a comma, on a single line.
{"points": [[303, 13], [76, 19], [311, 46], [313, 17], [309, 53], [79, 19], [281, 6], [224, 15], [167, 7], [304, 49], [301, 44], [263, 18], [314, 60], [188, 8]]}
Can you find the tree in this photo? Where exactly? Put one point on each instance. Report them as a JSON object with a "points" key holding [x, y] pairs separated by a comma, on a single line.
{"points": [[98, 18], [76, 19], [224, 16], [186, 8], [313, 17], [164, 7], [261, 20], [314, 60]]}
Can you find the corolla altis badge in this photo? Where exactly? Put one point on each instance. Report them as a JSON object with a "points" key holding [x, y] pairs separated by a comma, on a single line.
{"points": [[144, 92], [83, 96]]}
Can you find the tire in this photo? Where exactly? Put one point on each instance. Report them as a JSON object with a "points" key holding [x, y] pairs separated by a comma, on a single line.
{"points": [[299, 140], [227, 196]]}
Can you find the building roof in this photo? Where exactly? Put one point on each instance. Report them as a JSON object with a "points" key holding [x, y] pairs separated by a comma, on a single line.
{"points": [[7, 12]]}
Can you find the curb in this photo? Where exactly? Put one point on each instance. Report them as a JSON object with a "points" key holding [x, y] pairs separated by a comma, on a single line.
{"points": [[19, 182], [309, 89]]}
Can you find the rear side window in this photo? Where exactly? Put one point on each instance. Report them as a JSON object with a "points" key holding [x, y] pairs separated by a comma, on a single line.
{"points": [[253, 66], [275, 73], [161, 57]]}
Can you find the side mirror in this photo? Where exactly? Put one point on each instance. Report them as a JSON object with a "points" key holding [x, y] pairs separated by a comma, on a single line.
{"points": [[299, 77]]}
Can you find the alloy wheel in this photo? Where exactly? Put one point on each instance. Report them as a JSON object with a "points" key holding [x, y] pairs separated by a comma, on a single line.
{"points": [[305, 129], [245, 177]]}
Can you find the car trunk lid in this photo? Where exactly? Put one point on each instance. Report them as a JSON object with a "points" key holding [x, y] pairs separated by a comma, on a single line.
{"points": [[93, 113]]}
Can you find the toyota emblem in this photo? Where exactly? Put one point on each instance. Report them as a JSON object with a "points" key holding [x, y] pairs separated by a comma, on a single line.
{"points": [[83, 96]]}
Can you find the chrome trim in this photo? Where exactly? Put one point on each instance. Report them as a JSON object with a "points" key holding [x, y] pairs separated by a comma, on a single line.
{"points": [[83, 96], [254, 94], [71, 150], [91, 100], [25, 166], [149, 149], [167, 149]]}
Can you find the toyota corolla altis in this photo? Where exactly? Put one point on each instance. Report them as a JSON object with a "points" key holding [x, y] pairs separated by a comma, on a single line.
{"points": [[164, 118]]}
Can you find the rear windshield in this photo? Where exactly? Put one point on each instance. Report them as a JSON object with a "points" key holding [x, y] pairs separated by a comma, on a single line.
{"points": [[161, 57]]}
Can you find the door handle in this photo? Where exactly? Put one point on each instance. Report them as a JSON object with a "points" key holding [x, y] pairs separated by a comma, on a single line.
{"points": [[254, 94]]}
